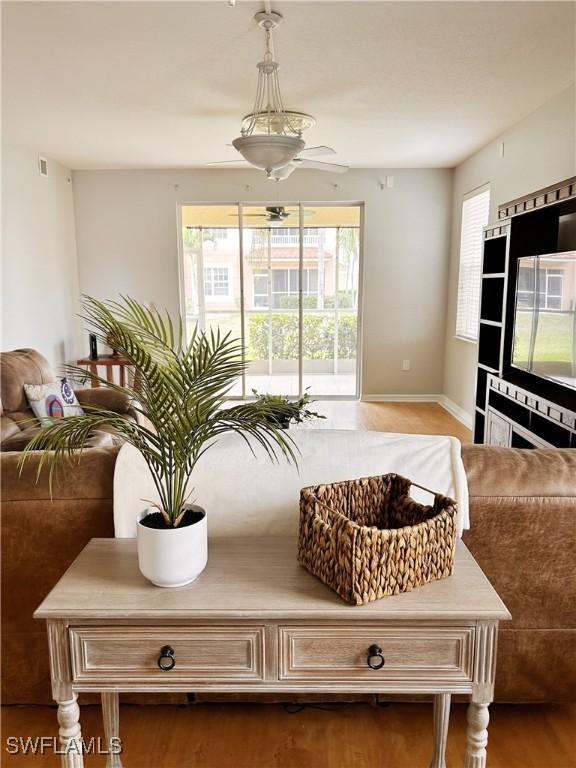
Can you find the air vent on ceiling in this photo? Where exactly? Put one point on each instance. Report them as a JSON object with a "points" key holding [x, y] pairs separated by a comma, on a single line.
{"points": [[42, 166]]}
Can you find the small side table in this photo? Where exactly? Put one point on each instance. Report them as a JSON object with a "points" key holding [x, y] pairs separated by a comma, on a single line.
{"points": [[110, 362]]}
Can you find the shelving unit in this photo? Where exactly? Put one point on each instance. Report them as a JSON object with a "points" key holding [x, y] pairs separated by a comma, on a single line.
{"points": [[519, 418], [492, 312], [512, 407]]}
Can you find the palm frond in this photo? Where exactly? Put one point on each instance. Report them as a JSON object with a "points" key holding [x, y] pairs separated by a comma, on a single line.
{"points": [[181, 385], [66, 439]]}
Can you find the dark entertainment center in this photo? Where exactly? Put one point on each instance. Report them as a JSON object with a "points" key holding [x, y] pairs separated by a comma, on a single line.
{"points": [[516, 407]]}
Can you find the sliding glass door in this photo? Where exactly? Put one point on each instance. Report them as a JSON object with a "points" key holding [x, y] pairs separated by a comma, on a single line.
{"points": [[271, 298], [211, 283], [285, 279], [331, 268]]}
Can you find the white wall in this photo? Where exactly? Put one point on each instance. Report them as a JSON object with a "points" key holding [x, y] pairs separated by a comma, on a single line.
{"points": [[538, 151], [39, 267], [127, 243]]}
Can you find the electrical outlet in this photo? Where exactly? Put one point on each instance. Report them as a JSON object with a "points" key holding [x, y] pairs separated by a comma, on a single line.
{"points": [[405, 365]]}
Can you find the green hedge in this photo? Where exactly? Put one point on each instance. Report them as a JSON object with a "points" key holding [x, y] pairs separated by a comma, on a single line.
{"points": [[293, 301], [310, 301], [318, 341]]}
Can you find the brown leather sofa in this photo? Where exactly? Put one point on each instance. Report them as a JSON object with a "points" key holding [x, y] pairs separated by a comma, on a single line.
{"points": [[523, 515], [40, 536], [17, 422], [523, 526]]}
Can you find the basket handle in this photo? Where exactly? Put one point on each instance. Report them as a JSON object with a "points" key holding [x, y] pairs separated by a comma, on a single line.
{"points": [[422, 488]]}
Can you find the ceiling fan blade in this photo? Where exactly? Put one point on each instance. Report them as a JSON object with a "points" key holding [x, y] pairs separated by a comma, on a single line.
{"points": [[320, 166], [224, 162], [316, 151], [282, 173], [250, 215]]}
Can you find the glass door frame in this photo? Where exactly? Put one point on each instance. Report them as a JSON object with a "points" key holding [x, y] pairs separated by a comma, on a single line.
{"points": [[301, 208]]}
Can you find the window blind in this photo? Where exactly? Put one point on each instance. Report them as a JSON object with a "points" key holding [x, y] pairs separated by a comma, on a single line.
{"points": [[475, 212]]}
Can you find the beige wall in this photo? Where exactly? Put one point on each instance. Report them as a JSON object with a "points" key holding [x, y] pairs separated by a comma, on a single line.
{"points": [[126, 223], [538, 151], [39, 268]]}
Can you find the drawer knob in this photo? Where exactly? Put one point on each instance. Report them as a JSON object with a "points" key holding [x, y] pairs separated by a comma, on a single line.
{"points": [[166, 660], [375, 658]]}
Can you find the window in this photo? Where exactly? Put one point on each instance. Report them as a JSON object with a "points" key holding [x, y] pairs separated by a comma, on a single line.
{"points": [[260, 289], [216, 281], [525, 295], [475, 212], [549, 289], [291, 236], [550, 296], [284, 285]]}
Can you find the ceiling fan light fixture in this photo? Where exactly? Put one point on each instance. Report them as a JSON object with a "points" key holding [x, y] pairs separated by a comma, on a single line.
{"points": [[269, 153], [271, 135], [277, 122]]}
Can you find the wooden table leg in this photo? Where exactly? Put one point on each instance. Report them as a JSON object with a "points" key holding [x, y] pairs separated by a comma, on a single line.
{"points": [[482, 694], [111, 717], [441, 721], [94, 373], [476, 735], [70, 736]]}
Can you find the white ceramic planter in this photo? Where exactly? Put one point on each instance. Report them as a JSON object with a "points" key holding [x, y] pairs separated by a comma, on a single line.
{"points": [[172, 557]]}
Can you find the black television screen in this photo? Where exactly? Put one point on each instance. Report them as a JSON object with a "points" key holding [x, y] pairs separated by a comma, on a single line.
{"points": [[545, 317]]}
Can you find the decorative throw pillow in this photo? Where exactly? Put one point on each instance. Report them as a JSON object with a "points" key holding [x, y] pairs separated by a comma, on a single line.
{"points": [[53, 401]]}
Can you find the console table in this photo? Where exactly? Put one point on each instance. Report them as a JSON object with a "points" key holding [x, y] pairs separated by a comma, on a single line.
{"points": [[256, 621]]}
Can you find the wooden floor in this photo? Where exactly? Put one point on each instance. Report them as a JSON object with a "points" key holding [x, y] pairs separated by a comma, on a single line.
{"points": [[340, 736], [415, 418], [355, 735]]}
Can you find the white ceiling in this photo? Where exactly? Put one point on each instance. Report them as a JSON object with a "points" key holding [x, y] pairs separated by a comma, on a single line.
{"points": [[164, 84]]}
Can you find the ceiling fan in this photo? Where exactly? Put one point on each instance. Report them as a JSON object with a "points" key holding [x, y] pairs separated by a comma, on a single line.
{"points": [[301, 161], [271, 136], [273, 214]]}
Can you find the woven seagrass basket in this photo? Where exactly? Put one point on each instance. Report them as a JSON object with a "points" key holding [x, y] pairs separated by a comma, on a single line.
{"points": [[368, 538]]}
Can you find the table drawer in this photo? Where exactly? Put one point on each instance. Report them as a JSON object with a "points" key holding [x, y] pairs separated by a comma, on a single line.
{"points": [[410, 653], [200, 654]]}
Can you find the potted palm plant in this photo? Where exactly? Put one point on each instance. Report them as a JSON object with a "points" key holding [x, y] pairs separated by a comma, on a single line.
{"points": [[178, 393], [284, 411]]}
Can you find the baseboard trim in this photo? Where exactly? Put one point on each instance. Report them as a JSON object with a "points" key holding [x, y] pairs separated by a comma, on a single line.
{"points": [[455, 410], [449, 405], [401, 398]]}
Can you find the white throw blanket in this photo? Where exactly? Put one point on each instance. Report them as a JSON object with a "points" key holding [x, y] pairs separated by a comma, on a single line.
{"points": [[248, 494]]}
